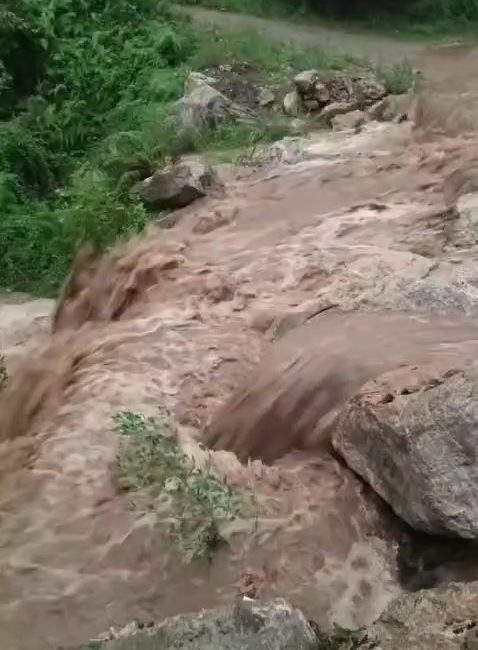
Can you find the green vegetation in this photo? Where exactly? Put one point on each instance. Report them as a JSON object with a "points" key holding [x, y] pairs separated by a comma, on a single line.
{"points": [[85, 89], [420, 17], [397, 78], [195, 504]]}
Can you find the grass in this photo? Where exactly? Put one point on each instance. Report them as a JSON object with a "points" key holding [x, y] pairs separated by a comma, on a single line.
{"points": [[398, 78], [197, 503], [76, 130]]}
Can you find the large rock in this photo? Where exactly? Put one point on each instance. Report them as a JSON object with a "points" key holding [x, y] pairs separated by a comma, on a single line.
{"points": [[445, 618], [197, 80], [176, 186], [248, 625], [352, 120], [291, 103], [412, 434], [203, 107], [306, 81]]}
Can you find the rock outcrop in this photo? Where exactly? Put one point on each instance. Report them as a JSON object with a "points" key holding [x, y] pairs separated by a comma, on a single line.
{"points": [[248, 625], [445, 618], [412, 434]]}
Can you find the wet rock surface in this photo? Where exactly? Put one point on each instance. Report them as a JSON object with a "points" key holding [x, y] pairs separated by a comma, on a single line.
{"points": [[248, 625]]}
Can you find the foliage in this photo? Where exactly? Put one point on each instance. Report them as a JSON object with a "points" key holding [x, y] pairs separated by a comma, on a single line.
{"points": [[197, 503], [88, 119], [397, 78]]}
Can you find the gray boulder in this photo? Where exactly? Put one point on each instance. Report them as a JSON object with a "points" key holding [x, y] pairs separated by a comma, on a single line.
{"points": [[445, 618], [291, 103], [248, 625], [176, 186], [306, 81], [412, 435], [196, 80], [203, 107]]}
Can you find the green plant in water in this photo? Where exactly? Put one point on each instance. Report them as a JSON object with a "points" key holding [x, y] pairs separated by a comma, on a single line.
{"points": [[197, 503]]}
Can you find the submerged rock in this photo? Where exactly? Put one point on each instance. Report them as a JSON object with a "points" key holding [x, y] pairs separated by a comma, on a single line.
{"points": [[248, 625]]}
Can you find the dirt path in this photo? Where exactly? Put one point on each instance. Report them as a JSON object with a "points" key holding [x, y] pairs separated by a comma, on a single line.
{"points": [[369, 45]]}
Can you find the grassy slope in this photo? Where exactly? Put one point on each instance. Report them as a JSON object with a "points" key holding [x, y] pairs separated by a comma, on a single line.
{"points": [[97, 112]]}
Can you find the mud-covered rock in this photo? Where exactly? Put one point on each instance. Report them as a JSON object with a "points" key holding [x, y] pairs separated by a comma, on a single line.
{"points": [[248, 625], [176, 186], [445, 618], [412, 434]]}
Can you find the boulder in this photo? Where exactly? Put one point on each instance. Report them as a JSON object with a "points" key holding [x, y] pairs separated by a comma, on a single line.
{"points": [[321, 93], [367, 90], [291, 104], [306, 81], [311, 105], [390, 108], [445, 618], [352, 120], [248, 625], [176, 186], [337, 108], [412, 435], [266, 97], [197, 80], [203, 107]]}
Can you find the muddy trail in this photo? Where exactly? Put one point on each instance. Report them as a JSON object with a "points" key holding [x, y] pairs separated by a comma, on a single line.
{"points": [[176, 321]]}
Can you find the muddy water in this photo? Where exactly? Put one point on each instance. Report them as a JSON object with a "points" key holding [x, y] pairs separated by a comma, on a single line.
{"points": [[176, 321]]}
